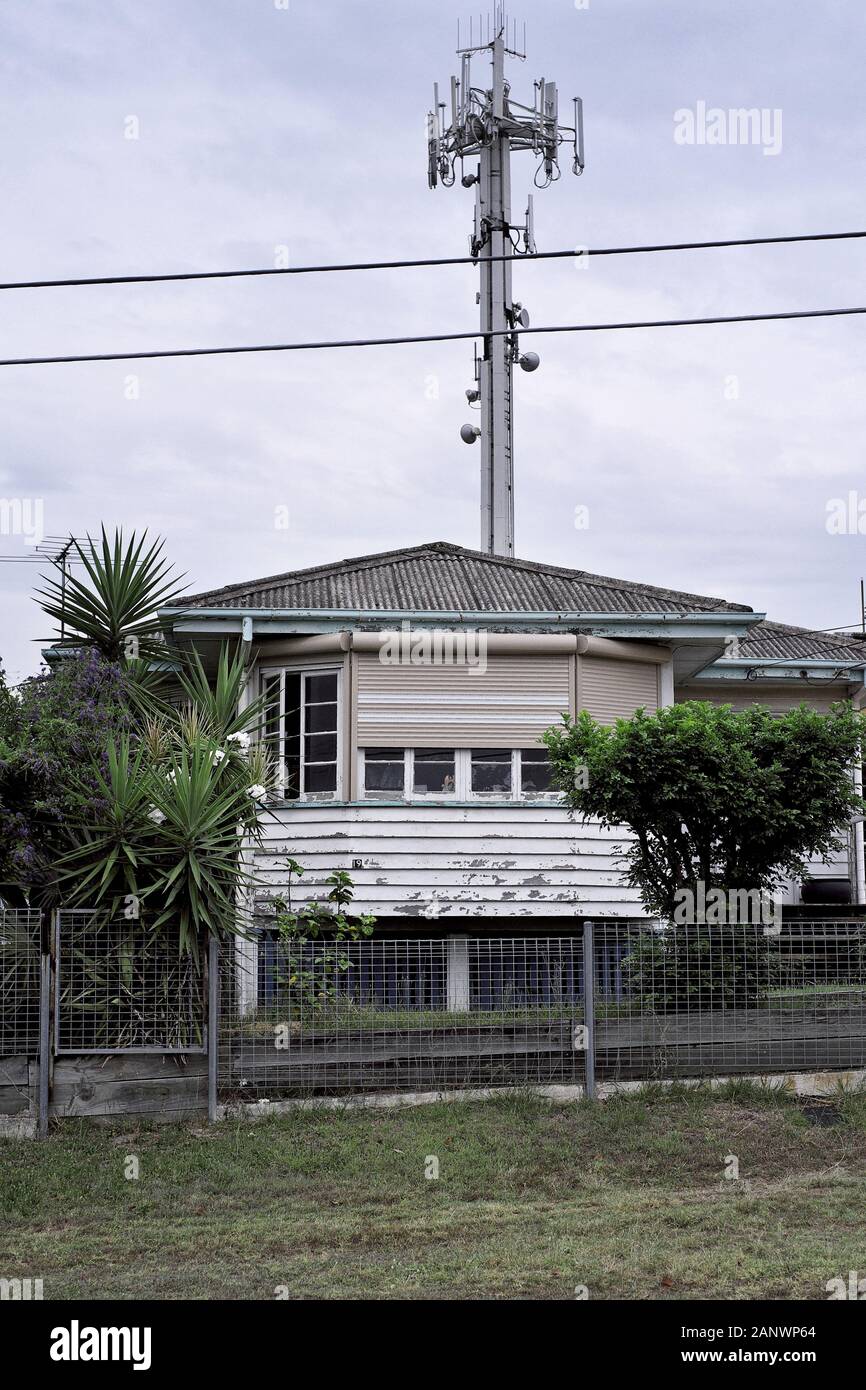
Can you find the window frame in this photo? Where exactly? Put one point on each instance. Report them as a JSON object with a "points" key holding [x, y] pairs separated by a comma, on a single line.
{"points": [[462, 778], [377, 793], [304, 670]]}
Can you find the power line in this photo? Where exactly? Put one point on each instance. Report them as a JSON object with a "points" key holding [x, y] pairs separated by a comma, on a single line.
{"points": [[572, 253], [400, 341]]}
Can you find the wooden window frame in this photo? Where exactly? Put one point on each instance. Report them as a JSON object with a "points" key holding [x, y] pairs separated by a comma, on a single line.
{"points": [[305, 669], [463, 792]]}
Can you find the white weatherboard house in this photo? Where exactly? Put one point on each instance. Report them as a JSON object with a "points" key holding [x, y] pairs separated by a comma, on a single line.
{"points": [[425, 779]]}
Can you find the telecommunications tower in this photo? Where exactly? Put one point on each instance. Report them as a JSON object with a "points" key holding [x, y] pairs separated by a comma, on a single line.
{"points": [[486, 125]]}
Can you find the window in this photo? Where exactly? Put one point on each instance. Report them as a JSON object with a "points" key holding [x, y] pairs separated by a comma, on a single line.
{"points": [[494, 774], [534, 772], [301, 729], [434, 772], [384, 772], [491, 772]]}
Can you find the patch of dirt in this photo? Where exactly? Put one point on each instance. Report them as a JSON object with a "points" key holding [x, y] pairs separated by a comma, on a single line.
{"points": [[821, 1112]]}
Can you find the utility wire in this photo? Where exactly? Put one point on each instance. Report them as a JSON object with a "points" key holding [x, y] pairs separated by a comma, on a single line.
{"points": [[573, 253], [425, 338]]}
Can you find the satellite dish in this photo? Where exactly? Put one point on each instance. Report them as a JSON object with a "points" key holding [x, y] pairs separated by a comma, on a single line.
{"points": [[523, 318], [469, 433], [530, 361]]}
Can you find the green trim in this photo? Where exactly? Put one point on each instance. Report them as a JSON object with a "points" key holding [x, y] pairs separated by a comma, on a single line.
{"points": [[371, 802]]}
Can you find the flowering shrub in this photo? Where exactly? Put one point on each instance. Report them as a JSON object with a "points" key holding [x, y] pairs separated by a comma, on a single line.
{"points": [[54, 736]]}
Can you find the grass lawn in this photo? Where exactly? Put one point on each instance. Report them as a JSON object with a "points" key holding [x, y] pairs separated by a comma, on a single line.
{"points": [[627, 1197]]}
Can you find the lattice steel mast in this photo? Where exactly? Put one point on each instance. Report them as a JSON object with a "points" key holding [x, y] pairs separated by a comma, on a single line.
{"points": [[489, 124]]}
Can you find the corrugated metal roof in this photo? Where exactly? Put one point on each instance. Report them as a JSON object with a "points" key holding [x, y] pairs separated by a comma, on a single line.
{"points": [[777, 641], [440, 576]]}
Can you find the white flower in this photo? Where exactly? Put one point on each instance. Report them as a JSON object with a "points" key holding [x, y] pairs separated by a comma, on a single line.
{"points": [[258, 792], [241, 739], [217, 757], [156, 815]]}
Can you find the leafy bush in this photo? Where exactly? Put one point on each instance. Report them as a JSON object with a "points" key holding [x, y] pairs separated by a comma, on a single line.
{"points": [[678, 968], [737, 800], [312, 954], [54, 738]]}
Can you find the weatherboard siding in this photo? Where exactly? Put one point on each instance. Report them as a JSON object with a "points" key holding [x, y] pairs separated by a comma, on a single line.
{"points": [[466, 861]]}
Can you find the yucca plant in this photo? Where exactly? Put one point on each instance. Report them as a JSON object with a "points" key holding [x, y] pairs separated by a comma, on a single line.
{"points": [[217, 707], [203, 808], [170, 838], [110, 860], [115, 611]]}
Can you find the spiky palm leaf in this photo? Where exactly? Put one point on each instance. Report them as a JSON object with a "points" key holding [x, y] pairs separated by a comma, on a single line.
{"points": [[219, 704], [116, 611], [113, 849], [197, 868]]}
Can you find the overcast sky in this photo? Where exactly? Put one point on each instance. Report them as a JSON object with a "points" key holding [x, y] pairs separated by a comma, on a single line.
{"points": [[706, 456]]}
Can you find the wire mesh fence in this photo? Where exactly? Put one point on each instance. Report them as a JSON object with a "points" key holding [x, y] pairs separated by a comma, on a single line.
{"points": [[20, 949], [325, 1018], [122, 987], [729, 1000]]}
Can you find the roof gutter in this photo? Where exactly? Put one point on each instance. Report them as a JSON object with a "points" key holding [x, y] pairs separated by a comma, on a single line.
{"points": [[786, 669], [284, 621]]}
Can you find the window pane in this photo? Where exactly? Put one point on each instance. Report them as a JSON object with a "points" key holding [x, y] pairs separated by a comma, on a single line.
{"points": [[320, 719], [320, 748], [434, 771], [384, 769], [320, 777], [292, 706], [491, 770], [292, 787], [321, 688], [272, 708], [534, 770]]}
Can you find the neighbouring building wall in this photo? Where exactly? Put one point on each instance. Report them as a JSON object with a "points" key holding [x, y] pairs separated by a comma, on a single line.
{"points": [[775, 700]]}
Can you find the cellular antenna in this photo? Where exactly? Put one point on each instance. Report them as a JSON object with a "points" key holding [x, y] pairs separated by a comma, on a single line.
{"points": [[487, 124]]}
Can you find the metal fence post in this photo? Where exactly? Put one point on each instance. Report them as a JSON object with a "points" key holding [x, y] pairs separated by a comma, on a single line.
{"points": [[589, 1006], [213, 1027], [48, 923]]}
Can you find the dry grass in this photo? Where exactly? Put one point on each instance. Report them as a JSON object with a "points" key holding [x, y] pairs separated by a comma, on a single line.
{"points": [[628, 1198]]}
